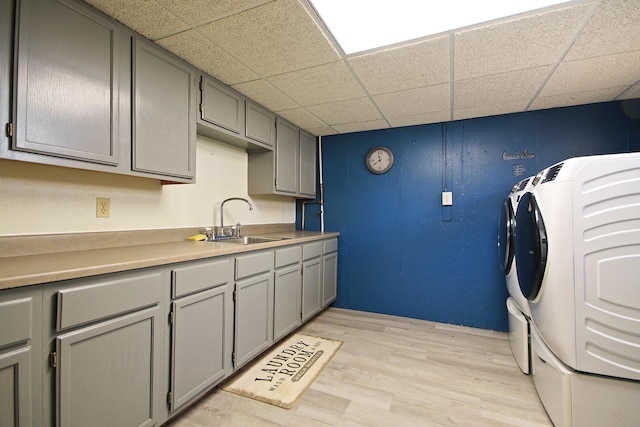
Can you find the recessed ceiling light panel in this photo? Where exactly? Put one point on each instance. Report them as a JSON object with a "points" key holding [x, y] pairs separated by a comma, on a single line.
{"points": [[359, 25]]}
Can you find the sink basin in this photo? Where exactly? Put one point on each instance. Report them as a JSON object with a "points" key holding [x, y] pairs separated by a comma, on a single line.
{"points": [[248, 240]]}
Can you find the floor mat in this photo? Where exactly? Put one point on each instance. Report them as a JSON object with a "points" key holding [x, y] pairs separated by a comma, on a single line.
{"points": [[281, 376]]}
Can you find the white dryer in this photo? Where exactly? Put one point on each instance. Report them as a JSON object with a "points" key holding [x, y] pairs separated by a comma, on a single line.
{"points": [[577, 244]]}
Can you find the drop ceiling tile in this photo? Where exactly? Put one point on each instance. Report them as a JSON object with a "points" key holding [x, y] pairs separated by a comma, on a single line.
{"points": [[352, 110], [319, 85], [499, 88], [609, 71], [421, 119], [613, 28], [266, 95], [302, 118], [489, 110], [361, 126], [421, 64], [526, 42], [631, 93], [322, 131], [424, 100], [576, 98], [272, 39], [196, 11], [198, 51], [144, 16]]}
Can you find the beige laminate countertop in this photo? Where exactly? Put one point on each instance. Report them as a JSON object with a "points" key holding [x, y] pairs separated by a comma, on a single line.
{"points": [[18, 271]]}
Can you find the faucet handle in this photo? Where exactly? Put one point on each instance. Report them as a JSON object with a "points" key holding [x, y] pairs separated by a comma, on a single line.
{"points": [[236, 232]]}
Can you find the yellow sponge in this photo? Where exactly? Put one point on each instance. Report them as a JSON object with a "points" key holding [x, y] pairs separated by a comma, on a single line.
{"points": [[198, 237]]}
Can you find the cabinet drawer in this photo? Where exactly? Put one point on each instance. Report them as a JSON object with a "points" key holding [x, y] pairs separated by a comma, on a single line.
{"points": [[288, 256], [193, 278], [103, 299], [250, 265], [15, 321], [311, 250], [330, 245]]}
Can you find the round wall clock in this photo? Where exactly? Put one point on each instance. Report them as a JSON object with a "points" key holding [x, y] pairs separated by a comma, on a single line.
{"points": [[379, 160]]}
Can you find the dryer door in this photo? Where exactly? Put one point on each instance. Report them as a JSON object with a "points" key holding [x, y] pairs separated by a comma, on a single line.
{"points": [[506, 228], [531, 246]]}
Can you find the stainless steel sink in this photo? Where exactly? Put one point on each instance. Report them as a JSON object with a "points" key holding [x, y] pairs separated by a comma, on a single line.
{"points": [[248, 240]]}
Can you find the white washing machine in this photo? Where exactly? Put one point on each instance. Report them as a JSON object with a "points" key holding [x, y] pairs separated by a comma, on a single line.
{"points": [[517, 304], [506, 244], [577, 245]]}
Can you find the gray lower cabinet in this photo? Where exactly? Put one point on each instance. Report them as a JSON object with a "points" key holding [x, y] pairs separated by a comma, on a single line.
{"points": [[20, 361], [311, 279], [201, 328], [163, 112], [253, 306], [288, 291], [106, 350], [329, 271]]}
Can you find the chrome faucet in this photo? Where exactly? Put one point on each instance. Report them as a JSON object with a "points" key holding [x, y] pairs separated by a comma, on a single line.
{"points": [[222, 210]]}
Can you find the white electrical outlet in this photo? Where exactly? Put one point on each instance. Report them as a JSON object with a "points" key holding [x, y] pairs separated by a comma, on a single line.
{"points": [[447, 198], [103, 207]]}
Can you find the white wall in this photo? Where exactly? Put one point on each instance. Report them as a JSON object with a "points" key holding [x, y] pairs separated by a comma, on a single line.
{"points": [[40, 199]]}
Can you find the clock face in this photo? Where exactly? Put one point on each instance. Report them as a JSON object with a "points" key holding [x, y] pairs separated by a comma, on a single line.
{"points": [[379, 160]]}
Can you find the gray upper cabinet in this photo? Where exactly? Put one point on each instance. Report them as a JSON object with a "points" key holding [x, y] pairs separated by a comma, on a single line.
{"points": [[307, 162], [221, 105], [290, 169], [287, 158], [260, 124], [67, 82], [227, 116], [163, 112]]}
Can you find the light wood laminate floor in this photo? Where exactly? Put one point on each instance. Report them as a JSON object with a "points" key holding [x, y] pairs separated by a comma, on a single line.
{"points": [[394, 371]]}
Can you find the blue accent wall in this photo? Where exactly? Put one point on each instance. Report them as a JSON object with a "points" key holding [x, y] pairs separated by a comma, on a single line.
{"points": [[401, 252]]}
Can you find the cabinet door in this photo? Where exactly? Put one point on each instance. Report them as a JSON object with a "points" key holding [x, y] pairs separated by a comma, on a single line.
{"points": [[67, 82], [20, 357], [286, 304], [15, 387], [201, 330], [163, 110], [329, 278], [311, 288], [261, 124], [307, 183], [222, 106], [286, 157], [254, 317], [108, 374]]}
